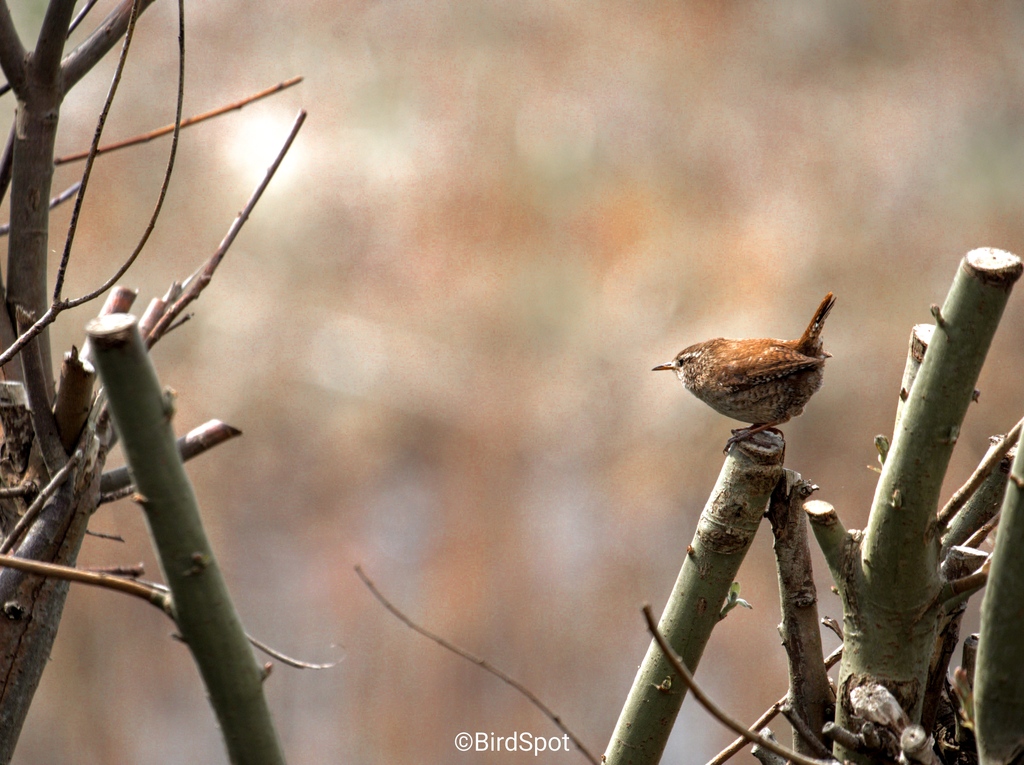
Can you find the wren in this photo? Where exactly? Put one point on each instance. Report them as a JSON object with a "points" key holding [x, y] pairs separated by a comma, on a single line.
{"points": [[761, 381]]}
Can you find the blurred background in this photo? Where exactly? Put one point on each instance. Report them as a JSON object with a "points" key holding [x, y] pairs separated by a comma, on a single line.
{"points": [[437, 330]]}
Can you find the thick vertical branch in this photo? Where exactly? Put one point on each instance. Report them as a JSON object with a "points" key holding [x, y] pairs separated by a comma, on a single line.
{"points": [[724, 533], [38, 111], [890, 595], [203, 609], [33, 605], [809, 693], [998, 687]]}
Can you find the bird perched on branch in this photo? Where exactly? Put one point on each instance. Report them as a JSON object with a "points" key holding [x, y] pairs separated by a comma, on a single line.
{"points": [[761, 381]]}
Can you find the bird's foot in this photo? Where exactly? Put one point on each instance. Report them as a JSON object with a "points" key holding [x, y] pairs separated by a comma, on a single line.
{"points": [[742, 434]]}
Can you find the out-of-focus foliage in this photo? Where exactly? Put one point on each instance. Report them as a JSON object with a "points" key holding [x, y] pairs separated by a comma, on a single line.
{"points": [[436, 333]]}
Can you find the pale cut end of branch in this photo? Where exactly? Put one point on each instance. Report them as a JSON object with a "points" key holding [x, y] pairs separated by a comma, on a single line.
{"points": [[821, 512], [876, 703], [962, 561], [995, 268], [207, 436], [919, 339], [969, 656], [764, 448], [111, 331], [119, 300], [152, 315]]}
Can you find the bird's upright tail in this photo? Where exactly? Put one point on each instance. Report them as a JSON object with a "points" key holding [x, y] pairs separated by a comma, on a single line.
{"points": [[810, 341]]}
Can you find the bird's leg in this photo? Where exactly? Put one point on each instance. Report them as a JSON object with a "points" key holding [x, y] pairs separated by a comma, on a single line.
{"points": [[742, 434]]}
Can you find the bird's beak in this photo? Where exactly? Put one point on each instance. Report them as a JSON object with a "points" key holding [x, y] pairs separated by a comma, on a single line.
{"points": [[660, 367]]}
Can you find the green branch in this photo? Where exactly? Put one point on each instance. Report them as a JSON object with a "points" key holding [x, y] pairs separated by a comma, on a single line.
{"points": [[998, 684], [724, 532], [891, 592], [204, 612]]}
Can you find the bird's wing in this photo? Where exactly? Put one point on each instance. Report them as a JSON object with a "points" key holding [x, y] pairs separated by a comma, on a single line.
{"points": [[741, 371]]}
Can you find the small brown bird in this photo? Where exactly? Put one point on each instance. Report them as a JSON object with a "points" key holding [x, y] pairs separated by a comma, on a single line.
{"points": [[761, 381]]}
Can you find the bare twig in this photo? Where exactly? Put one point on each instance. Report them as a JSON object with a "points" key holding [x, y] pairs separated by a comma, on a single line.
{"points": [[981, 534], [192, 444], [104, 535], [83, 58], [122, 579], [769, 714], [37, 504], [995, 454], [710, 706], [80, 16], [156, 309], [800, 726], [163, 186], [150, 593], [187, 122], [20, 490], [285, 658], [197, 282], [115, 495], [28, 334], [833, 624], [60, 199], [58, 286], [739, 743], [482, 663], [966, 584]]}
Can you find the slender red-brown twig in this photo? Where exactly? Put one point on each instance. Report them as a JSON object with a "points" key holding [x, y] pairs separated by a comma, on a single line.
{"points": [[769, 714], [187, 122], [711, 706], [482, 663], [197, 282], [959, 499]]}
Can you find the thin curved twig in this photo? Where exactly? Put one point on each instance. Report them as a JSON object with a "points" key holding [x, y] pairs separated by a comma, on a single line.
{"points": [[714, 709], [960, 497], [151, 594], [58, 287], [482, 663], [163, 186], [769, 714], [154, 594], [80, 16], [285, 658], [197, 282], [187, 122]]}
